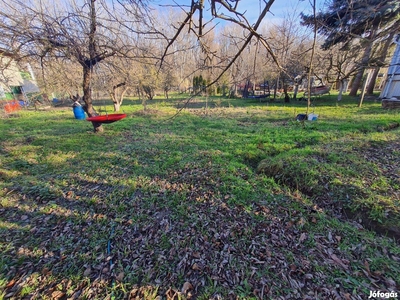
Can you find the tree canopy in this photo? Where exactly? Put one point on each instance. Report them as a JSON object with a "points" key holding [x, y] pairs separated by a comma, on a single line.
{"points": [[344, 20]]}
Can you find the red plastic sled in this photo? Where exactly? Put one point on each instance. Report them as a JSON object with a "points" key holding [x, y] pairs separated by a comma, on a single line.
{"points": [[106, 118]]}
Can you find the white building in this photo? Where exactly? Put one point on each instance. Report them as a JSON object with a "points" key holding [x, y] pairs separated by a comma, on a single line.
{"points": [[392, 85], [14, 82]]}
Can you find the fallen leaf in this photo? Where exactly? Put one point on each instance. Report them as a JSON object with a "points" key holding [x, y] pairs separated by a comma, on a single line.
{"points": [[187, 286], [301, 222], [308, 276], [195, 267], [289, 224], [390, 283], [120, 276], [11, 283], [330, 236], [196, 254], [87, 272], [366, 265], [339, 261], [303, 237], [57, 295]]}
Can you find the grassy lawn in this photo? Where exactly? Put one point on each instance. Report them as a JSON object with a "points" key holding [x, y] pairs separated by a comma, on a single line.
{"points": [[229, 199]]}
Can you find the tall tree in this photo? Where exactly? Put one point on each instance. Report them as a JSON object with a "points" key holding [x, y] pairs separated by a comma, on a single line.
{"points": [[344, 21]]}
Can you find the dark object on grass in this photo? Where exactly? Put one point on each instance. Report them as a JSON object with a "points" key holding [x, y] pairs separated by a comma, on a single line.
{"points": [[106, 118], [301, 117]]}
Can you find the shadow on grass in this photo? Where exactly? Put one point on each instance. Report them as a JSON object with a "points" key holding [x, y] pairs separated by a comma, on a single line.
{"points": [[135, 242], [169, 205]]}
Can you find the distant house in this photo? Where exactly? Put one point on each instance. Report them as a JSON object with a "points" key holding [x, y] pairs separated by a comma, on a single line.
{"points": [[392, 85], [15, 83]]}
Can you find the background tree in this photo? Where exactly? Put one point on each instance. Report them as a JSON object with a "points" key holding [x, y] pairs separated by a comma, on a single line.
{"points": [[340, 65], [148, 81], [291, 44], [344, 21], [228, 11], [168, 80], [381, 57], [85, 34]]}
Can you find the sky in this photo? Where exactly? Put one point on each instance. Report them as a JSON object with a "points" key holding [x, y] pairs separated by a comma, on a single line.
{"points": [[279, 9]]}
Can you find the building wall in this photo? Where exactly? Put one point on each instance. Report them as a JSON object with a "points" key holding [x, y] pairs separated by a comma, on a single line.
{"points": [[11, 76], [392, 85], [9, 73]]}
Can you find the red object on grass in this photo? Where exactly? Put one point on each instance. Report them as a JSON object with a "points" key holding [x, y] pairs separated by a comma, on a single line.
{"points": [[106, 118], [12, 106]]}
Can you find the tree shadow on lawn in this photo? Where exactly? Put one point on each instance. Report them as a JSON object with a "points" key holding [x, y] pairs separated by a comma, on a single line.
{"points": [[100, 240], [166, 232]]}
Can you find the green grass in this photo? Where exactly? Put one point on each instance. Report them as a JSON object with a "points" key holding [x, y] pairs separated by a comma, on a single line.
{"points": [[236, 199]]}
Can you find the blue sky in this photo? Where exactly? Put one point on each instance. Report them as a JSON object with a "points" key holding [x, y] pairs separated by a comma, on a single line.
{"points": [[279, 9]]}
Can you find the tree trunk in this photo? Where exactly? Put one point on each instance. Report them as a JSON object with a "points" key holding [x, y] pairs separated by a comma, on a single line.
{"points": [[310, 69], [87, 98], [285, 91], [88, 70], [118, 99], [363, 89], [117, 106], [342, 88], [382, 57], [364, 62], [295, 90], [356, 82], [113, 96], [372, 81]]}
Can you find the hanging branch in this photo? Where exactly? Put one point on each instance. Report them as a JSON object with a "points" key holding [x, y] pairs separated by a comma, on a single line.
{"points": [[178, 32], [310, 70], [241, 21], [253, 33]]}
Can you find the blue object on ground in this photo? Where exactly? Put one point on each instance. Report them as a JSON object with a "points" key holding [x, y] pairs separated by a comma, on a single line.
{"points": [[79, 113]]}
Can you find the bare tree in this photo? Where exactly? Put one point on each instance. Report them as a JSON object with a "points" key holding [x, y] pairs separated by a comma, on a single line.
{"points": [[114, 77], [85, 34], [58, 77], [292, 46], [229, 11]]}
